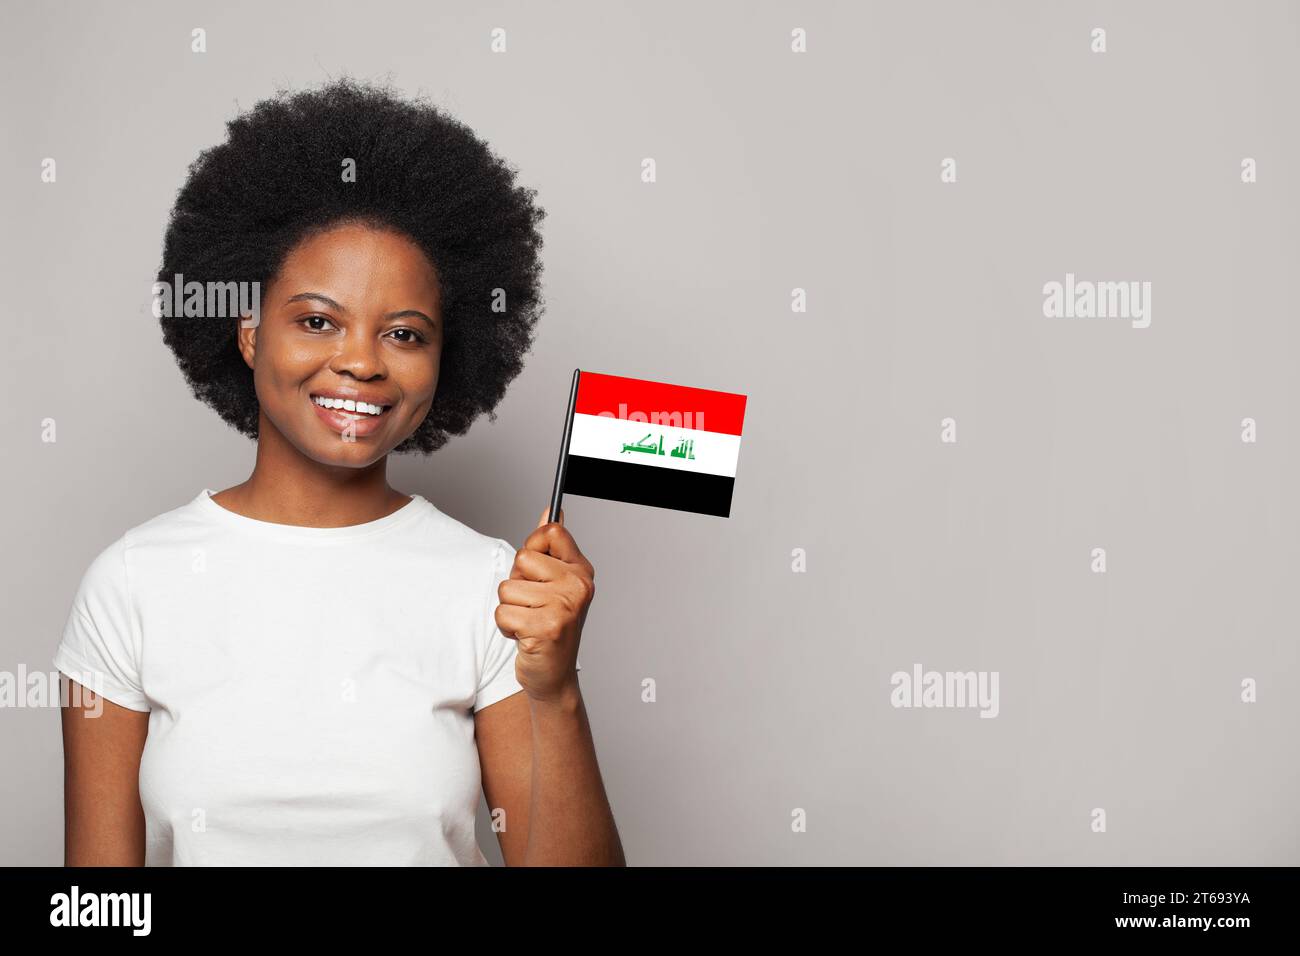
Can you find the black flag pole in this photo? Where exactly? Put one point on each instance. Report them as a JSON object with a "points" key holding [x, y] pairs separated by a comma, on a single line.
{"points": [[557, 493]]}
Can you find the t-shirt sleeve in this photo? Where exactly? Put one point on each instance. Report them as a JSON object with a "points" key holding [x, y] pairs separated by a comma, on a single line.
{"points": [[99, 649], [497, 655], [497, 674]]}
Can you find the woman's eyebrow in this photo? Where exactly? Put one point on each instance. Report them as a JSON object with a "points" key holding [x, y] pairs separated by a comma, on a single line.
{"points": [[412, 313], [303, 296], [319, 297]]}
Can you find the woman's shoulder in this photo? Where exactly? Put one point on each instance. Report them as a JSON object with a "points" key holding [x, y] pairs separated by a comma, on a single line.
{"points": [[160, 525], [168, 526], [455, 533]]}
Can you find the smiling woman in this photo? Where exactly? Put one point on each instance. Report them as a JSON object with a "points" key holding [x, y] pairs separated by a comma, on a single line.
{"points": [[347, 319], [248, 710], [300, 165]]}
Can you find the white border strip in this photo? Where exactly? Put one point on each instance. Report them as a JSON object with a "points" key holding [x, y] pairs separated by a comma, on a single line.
{"points": [[600, 436]]}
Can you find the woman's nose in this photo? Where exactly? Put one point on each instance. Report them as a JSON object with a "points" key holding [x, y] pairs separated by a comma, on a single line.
{"points": [[358, 354]]}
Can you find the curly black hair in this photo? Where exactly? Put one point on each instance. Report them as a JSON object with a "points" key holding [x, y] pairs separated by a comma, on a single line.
{"points": [[278, 179]]}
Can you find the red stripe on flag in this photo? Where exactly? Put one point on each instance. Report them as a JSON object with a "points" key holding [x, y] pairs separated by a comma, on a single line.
{"points": [[660, 402]]}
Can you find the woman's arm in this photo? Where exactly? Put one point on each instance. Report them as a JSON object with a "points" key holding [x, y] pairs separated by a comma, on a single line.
{"points": [[103, 821], [539, 766], [535, 748]]}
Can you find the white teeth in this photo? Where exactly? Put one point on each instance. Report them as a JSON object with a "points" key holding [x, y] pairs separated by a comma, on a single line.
{"points": [[348, 405]]}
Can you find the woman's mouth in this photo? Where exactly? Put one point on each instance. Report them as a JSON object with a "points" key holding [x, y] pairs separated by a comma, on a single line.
{"points": [[346, 415]]}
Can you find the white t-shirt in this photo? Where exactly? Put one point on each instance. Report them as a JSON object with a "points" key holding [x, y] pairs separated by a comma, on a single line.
{"points": [[311, 690]]}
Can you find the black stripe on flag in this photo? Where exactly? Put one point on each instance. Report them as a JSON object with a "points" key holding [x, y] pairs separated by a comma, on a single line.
{"points": [[649, 485]]}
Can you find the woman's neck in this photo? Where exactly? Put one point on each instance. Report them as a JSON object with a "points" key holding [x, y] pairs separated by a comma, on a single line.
{"points": [[286, 487]]}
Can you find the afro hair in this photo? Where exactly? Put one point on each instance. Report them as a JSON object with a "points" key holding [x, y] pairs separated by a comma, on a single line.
{"points": [[277, 178]]}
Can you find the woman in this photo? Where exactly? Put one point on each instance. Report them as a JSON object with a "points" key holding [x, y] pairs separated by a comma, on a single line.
{"points": [[312, 667]]}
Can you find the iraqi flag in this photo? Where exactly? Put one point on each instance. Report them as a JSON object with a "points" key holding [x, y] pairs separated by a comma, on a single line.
{"points": [[650, 443]]}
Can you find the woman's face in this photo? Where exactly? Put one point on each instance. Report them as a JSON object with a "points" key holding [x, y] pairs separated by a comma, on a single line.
{"points": [[353, 314]]}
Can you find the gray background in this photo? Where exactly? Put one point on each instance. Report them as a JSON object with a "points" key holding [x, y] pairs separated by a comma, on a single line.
{"points": [[776, 171]]}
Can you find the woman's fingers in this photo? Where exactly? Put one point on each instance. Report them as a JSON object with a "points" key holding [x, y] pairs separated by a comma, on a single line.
{"points": [[523, 593]]}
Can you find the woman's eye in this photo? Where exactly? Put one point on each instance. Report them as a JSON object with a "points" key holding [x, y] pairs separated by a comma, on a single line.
{"points": [[314, 318], [307, 322]]}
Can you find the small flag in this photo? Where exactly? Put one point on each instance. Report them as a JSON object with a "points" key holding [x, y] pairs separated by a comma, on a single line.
{"points": [[650, 443]]}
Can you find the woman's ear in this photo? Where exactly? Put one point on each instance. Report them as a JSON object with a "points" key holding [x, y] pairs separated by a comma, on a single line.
{"points": [[246, 340]]}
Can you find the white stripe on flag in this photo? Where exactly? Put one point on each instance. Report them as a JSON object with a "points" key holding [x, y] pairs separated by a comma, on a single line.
{"points": [[600, 436]]}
